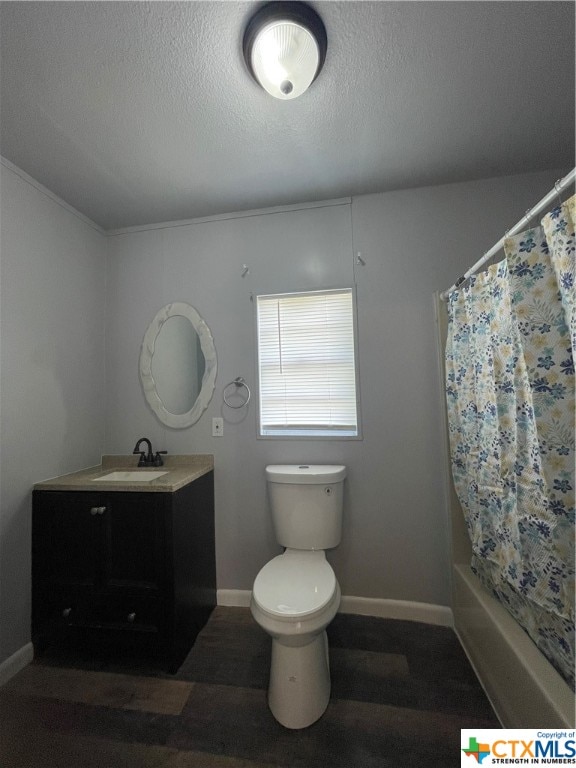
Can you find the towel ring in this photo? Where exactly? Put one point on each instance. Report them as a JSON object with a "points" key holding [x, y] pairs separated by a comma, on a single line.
{"points": [[238, 383]]}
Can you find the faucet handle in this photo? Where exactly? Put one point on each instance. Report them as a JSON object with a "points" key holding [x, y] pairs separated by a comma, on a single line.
{"points": [[142, 459], [158, 459]]}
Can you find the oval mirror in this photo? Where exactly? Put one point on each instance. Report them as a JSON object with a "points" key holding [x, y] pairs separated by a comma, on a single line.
{"points": [[178, 365]]}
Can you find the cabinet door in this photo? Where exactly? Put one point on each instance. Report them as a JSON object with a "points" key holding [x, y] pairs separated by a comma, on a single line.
{"points": [[67, 536], [134, 540]]}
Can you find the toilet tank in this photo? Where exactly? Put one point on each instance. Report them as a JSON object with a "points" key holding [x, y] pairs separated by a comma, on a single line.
{"points": [[306, 503]]}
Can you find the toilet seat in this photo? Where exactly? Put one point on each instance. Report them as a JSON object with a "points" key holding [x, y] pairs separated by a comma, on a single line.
{"points": [[295, 585]]}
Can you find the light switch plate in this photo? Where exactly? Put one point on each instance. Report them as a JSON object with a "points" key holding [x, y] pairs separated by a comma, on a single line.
{"points": [[217, 426]]}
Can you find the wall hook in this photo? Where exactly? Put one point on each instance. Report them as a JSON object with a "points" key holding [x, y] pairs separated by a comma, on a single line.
{"points": [[360, 260], [245, 270]]}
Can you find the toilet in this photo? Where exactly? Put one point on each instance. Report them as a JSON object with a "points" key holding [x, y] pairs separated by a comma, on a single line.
{"points": [[296, 595]]}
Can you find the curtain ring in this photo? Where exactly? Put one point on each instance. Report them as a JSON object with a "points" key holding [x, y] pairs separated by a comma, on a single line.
{"points": [[558, 188], [238, 384]]}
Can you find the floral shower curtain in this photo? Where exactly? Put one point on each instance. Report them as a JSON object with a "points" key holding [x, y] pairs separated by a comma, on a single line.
{"points": [[510, 394]]}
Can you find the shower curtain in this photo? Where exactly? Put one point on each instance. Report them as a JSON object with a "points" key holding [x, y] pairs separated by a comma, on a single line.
{"points": [[510, 395]]}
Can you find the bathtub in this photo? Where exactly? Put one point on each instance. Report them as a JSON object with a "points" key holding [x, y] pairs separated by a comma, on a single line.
{"points": [[523, 687]]}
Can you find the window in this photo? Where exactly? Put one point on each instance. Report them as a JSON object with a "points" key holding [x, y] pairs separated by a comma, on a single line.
{"points": [[307, 364]]}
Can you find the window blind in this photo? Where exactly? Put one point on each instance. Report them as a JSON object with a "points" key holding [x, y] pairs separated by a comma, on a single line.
{"points": [[307, 364]]}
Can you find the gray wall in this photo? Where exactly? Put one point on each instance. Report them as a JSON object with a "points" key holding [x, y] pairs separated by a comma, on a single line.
{"points": [[414, 242], [52, 304]]}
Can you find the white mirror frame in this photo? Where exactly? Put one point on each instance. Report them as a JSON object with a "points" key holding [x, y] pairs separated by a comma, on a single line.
{"points": [[182, 420]]}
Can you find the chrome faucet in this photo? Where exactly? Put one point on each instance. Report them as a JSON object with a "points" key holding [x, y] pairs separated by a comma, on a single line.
{"points": [[148, 459]]}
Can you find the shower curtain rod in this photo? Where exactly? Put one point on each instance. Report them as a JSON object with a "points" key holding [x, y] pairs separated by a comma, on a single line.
{"points": [[559, 186]]}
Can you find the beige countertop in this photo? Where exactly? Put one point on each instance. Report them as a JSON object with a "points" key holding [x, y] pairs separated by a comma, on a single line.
{"points": [[180, 471]]}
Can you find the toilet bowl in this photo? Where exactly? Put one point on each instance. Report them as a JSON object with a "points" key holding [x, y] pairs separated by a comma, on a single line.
{"points": [[296, 595]]}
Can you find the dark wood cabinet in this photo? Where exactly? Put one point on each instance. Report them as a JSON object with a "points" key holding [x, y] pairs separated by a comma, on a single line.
{"points": [[125, 569]]}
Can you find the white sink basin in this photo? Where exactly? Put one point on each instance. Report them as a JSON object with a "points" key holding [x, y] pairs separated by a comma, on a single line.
{"points": [[137, 476]]}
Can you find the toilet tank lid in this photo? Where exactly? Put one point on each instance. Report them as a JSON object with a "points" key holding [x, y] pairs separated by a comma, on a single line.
{"points": [[309, 474]]}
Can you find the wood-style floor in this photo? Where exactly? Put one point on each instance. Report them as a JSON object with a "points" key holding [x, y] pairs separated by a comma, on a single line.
{"points": [[401, 692]]}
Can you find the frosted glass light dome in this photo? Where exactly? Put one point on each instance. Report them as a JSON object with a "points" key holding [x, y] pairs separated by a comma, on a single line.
{"points": [[285, 59], [284, 47]]}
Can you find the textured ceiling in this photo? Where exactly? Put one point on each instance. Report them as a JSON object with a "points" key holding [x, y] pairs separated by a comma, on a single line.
{"points": [[137, 112]]}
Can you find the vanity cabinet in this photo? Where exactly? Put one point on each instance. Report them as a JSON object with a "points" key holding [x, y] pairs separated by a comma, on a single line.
{"points": [[131, 569]]}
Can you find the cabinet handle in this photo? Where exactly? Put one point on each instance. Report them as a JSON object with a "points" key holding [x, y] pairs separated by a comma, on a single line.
{"points": [[97, 510], [66, 612], [131, 617]]}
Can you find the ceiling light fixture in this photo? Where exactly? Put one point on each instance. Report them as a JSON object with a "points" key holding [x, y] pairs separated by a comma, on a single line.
{"points": [[284, 48]]}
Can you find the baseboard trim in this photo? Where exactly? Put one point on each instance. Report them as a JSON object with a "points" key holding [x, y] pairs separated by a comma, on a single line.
{"points": [[405, 610], [234, 598], [13, 664]]}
